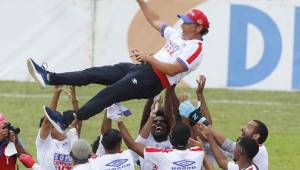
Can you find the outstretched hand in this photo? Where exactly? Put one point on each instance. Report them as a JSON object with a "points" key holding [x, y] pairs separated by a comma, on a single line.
{"points": [[201, 84], [156, 105]]}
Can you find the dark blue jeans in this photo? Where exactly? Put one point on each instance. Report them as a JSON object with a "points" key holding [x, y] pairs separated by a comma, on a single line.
{"points": [[125, 81]]}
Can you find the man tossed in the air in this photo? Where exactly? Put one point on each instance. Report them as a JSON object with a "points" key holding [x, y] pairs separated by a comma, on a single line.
{"points": [[181, 54]]}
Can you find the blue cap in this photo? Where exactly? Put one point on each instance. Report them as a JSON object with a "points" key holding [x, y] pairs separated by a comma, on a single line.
{"points": [[185, 19]]}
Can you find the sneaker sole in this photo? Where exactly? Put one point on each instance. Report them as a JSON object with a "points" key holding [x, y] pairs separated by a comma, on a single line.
{"points": [[35, 75], [56, 126]]}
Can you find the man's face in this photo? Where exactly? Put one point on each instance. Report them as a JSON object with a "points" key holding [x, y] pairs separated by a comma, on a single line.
{"points": [[159, 127], [190, 31], [249, 129]]}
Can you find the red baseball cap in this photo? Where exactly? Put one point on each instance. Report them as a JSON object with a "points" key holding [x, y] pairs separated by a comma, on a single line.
{"points": [[195, 16]]}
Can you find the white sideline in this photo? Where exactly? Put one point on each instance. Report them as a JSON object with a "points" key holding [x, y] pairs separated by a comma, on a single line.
{"points": [[239, 102]]}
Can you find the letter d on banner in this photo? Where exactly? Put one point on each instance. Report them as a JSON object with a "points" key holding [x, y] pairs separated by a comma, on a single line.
{"points": [[296, 62], [238, 74]]}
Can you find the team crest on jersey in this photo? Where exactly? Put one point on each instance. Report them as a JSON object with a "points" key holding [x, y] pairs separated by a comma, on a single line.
{"points": [[117, 162], [184, 163]]}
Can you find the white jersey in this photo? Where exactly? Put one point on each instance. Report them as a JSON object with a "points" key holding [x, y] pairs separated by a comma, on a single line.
{"points": [[186, 52], [261, 159], [233, 166], [100, 150], [53, 154], [120, 161], [150, 142], [85, 166], [170, 159]]}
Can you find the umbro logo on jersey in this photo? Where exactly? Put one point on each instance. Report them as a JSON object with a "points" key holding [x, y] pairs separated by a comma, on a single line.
{"points": [[117, 162], [134, 81], [184, 163]]}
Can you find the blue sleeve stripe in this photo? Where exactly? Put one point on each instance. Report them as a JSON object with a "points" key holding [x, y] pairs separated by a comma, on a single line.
{"points": [[180, 61], [162, 29]]}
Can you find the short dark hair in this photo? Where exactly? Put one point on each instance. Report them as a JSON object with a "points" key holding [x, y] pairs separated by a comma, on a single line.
{"points": [[262, 130], [180, 135], [204, 31], [249, 145], [111, 139]]}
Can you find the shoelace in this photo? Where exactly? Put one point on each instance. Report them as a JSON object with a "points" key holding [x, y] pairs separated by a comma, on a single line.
{"points": [[44, 66]]}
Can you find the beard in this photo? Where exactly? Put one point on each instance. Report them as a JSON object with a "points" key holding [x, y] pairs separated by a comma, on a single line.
{"points": [[159, 137]]}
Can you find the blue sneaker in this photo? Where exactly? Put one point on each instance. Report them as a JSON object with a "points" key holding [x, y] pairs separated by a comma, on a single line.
{"points": [[38, 73], [56, 119]]}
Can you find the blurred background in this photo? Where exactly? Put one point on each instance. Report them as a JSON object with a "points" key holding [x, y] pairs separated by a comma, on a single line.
{"points": [[252, 44]]}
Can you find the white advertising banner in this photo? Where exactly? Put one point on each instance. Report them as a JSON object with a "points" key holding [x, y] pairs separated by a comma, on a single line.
{"points": [[251, 44], [58, 32]]}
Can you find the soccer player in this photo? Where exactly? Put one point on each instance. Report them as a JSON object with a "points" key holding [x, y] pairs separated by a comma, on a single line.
{"points": [[181, 54], [167, 159], [254, 129], [53, 148], [245, 150], [155, 132], [81, 152], [114, 157]]}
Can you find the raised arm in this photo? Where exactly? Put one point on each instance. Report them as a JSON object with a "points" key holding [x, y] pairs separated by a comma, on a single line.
{"points": [[150, 15], [73, 97], [170, 107], [200, 96], [218, 154], [46, 125], [130, 143], [106, 123], [146, 113], [145, 131]]}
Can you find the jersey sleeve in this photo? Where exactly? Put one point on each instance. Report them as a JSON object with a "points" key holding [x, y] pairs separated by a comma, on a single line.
{"points": [[100, 150], [41, 146], [72, 136], [190, 56], [167, 31], [41, 143], [232, 166], [228, 146], [141, 140]]}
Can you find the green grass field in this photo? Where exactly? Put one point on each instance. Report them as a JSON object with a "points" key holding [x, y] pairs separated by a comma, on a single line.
{"points": [[22, 103]]}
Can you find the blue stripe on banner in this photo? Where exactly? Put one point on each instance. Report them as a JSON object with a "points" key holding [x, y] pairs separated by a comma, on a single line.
{"points": [[296, 61]]}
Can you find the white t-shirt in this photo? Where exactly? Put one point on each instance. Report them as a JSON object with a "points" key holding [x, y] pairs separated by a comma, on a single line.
{"points": [[100, 150], [85, 166], [233, 166], [260, 159], [171, 159], [150, 142], [53, 154], [118, 161], [187, 52]]}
